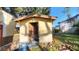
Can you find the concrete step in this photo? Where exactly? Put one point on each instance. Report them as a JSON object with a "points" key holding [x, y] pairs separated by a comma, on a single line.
{"points": [[15, 42], [34, 44]]}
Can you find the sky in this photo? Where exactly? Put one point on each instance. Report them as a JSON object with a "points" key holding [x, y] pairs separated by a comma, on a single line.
{"points": [[61, 15]]}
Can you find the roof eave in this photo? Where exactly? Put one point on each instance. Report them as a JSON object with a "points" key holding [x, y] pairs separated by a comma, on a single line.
{"points": [[36, 16]]}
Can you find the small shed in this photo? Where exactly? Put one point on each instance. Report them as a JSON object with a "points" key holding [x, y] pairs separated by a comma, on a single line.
{"points": [[36, 27]]}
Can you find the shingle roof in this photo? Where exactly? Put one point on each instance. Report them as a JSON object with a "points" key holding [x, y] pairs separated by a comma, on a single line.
{"points": [[72, 18]]}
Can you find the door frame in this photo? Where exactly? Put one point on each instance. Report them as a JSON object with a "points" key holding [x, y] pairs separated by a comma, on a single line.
{"points": [[37, 32]]}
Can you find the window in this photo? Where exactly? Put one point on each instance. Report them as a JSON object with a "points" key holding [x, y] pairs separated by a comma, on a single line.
{"points": [[17, 27]]}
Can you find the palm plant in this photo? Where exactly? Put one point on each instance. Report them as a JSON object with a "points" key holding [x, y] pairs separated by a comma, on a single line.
{"points": [[20, 11], [40, 10]]}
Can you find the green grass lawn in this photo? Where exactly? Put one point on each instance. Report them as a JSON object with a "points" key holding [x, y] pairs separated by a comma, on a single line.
{"points": [[60, 39], [71, 39], [36, 49]]}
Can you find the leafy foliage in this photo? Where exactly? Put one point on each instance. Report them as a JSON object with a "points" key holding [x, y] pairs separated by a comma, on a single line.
{"points": [[76, 25], [20, 11]]}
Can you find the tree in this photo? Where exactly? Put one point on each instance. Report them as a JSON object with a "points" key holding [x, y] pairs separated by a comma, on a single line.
{"points": [[20, 11], [41, 10], [10, 10], [67, 12], [77, 27]]}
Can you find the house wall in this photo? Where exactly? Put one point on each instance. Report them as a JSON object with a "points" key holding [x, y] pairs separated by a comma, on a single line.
{"points": [[45, 32], [8, 28], [1, 16], [8, 24], [45, 29], [67, 25], [24, 30], [64, 26]]}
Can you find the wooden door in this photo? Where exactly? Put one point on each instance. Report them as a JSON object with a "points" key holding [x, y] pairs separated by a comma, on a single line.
{"points": [[1, 31], [34, 31]]}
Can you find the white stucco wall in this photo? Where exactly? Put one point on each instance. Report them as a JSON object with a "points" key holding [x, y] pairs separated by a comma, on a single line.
{"points": [[23, 32], [8, 24], [65, 26], [45, 35], [2, 21], [45, 32], [1, 16]]}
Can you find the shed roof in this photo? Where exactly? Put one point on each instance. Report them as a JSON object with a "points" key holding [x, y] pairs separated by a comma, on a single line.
{"points": [[36, 16]]}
